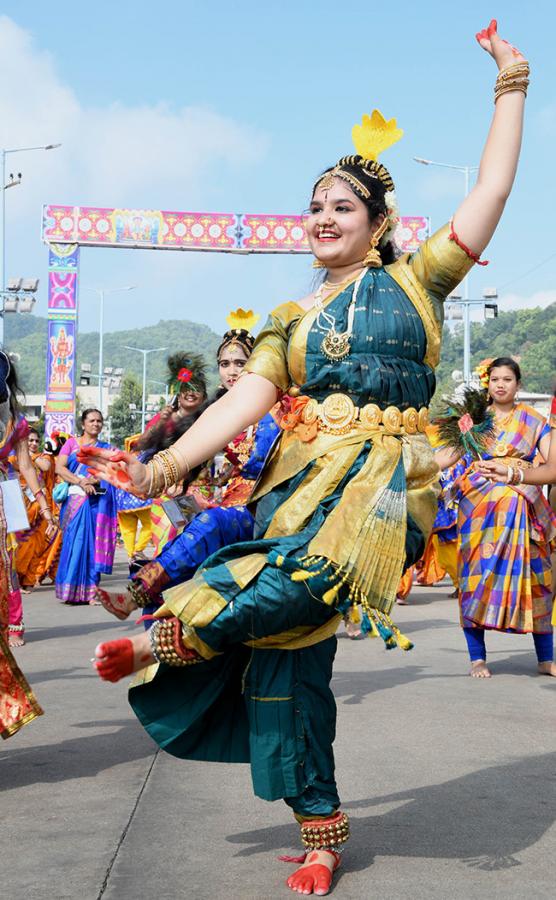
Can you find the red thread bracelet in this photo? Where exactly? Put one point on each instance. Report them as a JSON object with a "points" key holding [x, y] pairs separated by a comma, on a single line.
{"points": [[453, 237]]}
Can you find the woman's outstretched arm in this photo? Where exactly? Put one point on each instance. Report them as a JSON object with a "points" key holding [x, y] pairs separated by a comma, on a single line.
{"points": [[248, 401], [476, 218]]}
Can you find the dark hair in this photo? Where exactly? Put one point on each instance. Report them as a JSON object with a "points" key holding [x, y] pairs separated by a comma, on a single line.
{"points": [[239, 336], [17, 396], [87, 412], [509, 363], [33, 431], [375, 202]]}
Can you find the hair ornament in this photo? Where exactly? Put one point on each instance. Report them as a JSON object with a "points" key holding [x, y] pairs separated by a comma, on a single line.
{"points": [[483, 373], [375, 135], [186, 369], [244, 319]]}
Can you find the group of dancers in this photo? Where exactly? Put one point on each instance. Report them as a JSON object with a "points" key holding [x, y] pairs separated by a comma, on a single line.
{"points": [[328, 425]]}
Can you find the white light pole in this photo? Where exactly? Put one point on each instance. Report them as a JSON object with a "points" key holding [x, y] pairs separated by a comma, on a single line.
{"points": [[4, 187], [144, 352], [466, 306], [164, 385], [102, 293]]}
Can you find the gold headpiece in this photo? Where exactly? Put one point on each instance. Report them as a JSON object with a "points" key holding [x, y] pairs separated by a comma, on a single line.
{"points": [[370, 139], [245, 319]]}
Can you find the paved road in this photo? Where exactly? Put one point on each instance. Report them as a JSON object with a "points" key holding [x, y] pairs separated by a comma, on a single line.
{"points": [[450, 782]]}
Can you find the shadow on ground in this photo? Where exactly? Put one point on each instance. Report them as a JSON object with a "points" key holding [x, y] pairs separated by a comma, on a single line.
{"points": [[81, 757], [508, 808]]}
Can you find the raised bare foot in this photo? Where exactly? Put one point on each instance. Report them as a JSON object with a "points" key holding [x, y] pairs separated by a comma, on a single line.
{"points": [[116, 659], [547, 668], [315, 875], [15, 639], [479, 669], [119, 605]]}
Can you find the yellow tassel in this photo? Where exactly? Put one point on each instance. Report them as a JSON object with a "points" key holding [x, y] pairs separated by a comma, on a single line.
{"points": [[354, 614], [280, 561], [330, 596], [403, 642], [300, 575]]}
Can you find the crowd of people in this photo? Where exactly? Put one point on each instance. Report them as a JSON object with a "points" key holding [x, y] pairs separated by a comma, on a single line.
{"points": [[326, 494]]}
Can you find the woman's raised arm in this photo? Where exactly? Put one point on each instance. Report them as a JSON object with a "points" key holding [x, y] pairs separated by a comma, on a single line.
{"points": [[248, 401], [476, 219]]}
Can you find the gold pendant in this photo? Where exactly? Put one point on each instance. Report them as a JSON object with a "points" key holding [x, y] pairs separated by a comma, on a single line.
{"points": [[335, 346]]}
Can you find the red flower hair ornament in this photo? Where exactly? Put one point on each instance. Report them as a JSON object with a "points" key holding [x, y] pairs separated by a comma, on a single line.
{"points": [[185, 375]]}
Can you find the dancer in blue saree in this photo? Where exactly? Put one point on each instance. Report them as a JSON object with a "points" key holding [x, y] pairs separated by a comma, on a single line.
{"points": [[238, 667], [88, 518]]}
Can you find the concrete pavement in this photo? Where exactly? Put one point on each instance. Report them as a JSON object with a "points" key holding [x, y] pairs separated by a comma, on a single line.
{"points": [[450, 782]]}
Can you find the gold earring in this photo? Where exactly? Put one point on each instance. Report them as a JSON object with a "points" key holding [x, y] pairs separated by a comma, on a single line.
{"points": [[373, 258]]}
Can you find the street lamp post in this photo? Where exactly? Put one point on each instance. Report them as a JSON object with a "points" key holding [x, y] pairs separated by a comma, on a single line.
{"points": [[144, 352], [4, 187], [466, 170], [102, 293], [163, 384]]}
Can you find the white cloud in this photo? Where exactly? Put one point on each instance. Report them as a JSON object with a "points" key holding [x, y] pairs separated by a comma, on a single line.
{"points": [[114, 155], [508, 302]]}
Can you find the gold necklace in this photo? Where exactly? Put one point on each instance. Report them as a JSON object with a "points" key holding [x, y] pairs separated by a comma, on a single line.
{"points": [[335, 345]]}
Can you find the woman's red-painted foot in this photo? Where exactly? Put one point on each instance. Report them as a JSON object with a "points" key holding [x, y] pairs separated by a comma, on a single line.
{"points": [[117, 659], [315, 875]]}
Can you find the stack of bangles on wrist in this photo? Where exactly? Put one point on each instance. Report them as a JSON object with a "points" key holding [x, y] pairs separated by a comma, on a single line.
{"points": [[512, 78], [165, 469], [515, 476], [167, 645], [44, 509]]}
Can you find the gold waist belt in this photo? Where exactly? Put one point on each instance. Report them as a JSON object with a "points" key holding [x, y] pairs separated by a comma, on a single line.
{"points": [[338, 414]]}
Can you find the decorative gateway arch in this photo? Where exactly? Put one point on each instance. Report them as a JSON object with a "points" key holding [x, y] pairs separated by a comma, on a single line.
{"points": [[65, 229]]}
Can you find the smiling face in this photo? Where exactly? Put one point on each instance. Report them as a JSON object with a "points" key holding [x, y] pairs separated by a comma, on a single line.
{"points": [[230, 364], [189, 400], [33, 442], [338, 227], [502, 385]]}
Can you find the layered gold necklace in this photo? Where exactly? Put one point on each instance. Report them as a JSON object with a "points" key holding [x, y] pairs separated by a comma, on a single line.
{"points": [[335, 345]]}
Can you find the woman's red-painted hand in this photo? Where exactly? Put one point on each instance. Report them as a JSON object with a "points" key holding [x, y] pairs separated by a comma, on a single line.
{"points": [[117, 467], [503, 53]]}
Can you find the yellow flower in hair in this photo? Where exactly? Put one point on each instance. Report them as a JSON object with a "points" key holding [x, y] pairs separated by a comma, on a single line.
{"points": [[482, 371], [375, 135], [243, 318]]}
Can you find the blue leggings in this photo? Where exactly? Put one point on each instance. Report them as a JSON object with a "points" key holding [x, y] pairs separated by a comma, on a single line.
{"points": [[475, 638]]}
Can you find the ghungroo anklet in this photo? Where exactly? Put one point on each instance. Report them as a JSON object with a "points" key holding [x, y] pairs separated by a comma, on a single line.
{"points": [[167, 645], [325, 834]]}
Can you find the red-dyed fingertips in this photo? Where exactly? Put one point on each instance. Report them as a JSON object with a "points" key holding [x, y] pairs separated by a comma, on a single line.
{"points": [[493, 27]]}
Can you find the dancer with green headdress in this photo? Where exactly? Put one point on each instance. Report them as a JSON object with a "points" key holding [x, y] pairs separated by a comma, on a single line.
{"points": [[238, 666]]}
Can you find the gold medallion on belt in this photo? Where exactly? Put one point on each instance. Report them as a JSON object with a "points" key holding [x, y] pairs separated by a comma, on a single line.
{"points": [[338, 414]]}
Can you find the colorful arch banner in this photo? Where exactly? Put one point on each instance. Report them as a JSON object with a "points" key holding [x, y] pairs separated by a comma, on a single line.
{"points": [[220, 232], [68, 228]]}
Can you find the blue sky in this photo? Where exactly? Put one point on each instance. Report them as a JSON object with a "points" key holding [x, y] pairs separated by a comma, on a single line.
{"points": [[236, 107]]}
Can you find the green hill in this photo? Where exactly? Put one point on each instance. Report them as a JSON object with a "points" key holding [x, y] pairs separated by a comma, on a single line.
{"points": [[529, 335], [26, 335]]}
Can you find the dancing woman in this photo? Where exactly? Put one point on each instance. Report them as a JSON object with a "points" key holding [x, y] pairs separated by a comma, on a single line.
{"points": [[87, 518], [18, 704], [505, 531], [37, 554], [245, 649], [224, 521]]}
